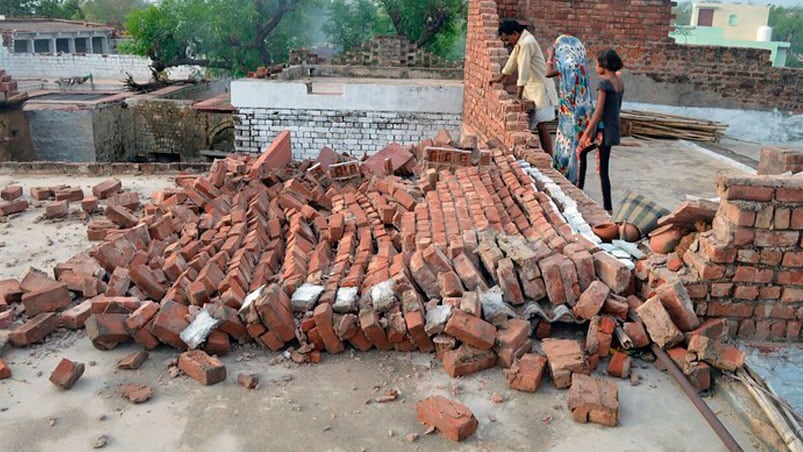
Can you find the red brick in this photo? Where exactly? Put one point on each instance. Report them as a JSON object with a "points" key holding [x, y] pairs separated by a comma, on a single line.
{"points": [[90, 204], [106, 331], [593, 400], [748, 193], [276, 156], [591, 300], [450, 284], [41, 193], [75, 317], [735, 215], [613, 273], [467, 360], [792, 295], [780, 239], [34, 330], [565, 358], [248, 381], [12, 207], [678, 305], [143, 277], [712, 328], [132, 361], [144, 337], [791, 195], [142, 315], [658, 323], [527, 372], [508, 280], [468, 273], [5, 372], [66, 373], [274, 310], [11, 192], [369, 322], [58, 209], [323, 322], [49, 299], [471, 330], [69, 194], [169, 322], [715, 353], [454, 420], [217, 343], [636, 332], [620, 365], [10, 291], [415, 323], [121, 216], [202, 367], [107, 188]]}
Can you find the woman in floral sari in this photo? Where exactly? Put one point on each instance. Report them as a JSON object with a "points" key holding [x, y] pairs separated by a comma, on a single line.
{"points": [[567, 59]]}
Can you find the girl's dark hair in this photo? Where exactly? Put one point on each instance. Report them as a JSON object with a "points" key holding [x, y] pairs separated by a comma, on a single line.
{"points": [[510, 26], [610, 60]]}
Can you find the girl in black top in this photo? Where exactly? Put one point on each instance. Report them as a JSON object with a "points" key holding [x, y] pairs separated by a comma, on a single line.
{"points": [[605, 121]]}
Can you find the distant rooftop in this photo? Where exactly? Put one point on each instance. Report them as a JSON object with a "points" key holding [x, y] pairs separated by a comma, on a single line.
{"points": [[40, 24]]}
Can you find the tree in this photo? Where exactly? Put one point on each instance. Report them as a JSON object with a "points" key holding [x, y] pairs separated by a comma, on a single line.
{"points": [[17, 8], [682, 14], [435, 24], [111, 11], [59, 9], [787, 25], [235, 35], [350, 22]]}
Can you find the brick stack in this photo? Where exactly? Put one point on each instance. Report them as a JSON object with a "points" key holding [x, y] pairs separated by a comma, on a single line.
{"points": [[393, 51], [748, 267], [489, 110]]}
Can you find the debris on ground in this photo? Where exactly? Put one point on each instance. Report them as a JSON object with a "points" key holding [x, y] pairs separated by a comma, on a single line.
{"points": [[66, 373], [135, 393]]}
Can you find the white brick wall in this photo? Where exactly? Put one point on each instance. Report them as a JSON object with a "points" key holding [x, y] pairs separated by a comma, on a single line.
{"points": [[102, 67], [355, 132]]}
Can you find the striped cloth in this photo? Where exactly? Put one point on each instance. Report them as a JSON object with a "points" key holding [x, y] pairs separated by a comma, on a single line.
{"points": [[639, 211]]}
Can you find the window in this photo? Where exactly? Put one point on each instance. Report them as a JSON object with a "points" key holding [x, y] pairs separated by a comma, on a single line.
{"points": [[81, 45], [97, 44], [705, 17], [22, 46], [63, 45], [41, 45]]}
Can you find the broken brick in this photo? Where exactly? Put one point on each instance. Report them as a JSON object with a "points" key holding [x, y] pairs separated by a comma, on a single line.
{"points": [[201, 367], [527, 372], [591, 300], [658, 323], [35, 329], [106, 331], [66, 373], [132, 361], [565, 358], [471, 330], [454, 420], [593, 400]]}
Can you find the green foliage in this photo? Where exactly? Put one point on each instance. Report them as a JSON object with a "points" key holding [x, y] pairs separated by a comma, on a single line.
{"points": [[682, 14], [350, 22], [17, 8], [111, 11], [787, 25], [235, 35], [437, 25]]}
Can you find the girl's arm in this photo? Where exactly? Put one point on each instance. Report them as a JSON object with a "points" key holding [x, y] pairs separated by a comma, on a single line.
{"points": [[591, 128], [551, 67]]}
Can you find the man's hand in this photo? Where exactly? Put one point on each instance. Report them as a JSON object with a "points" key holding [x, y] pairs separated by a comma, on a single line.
{"points": [[498, 79]]}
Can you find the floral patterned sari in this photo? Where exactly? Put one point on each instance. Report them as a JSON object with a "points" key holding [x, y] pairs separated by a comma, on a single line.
{"points": [[575, 106]]}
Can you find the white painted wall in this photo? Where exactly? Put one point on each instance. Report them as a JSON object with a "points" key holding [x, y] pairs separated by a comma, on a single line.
{"points": [[348, 115], [422, 96], [102, 67]]}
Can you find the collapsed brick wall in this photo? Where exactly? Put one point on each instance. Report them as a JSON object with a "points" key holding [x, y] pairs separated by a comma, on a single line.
{"points": [[639, 30], [749, 268], [394, 51], [345, 131], [489, 111]]}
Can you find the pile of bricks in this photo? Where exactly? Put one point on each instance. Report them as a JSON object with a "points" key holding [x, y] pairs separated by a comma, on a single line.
{"points": [[467, 260], [748, 268]]}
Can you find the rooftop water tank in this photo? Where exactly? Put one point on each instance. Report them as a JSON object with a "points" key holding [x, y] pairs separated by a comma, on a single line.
{"points": [[764, 34]]}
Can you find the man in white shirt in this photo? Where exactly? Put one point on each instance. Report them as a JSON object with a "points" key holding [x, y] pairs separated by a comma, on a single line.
{"points": [[532, 84]]}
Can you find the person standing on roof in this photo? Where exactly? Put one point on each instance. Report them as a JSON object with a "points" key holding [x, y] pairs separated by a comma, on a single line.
{"points": [[532, 84]]}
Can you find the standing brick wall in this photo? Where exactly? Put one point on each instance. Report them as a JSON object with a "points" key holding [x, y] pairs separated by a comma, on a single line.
{"points": [[355, 132], [749, 268], [639, 30], [489, 111]]}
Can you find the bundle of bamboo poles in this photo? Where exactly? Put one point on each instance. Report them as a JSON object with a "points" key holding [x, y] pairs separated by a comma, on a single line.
{"points": [[642, 124]]}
